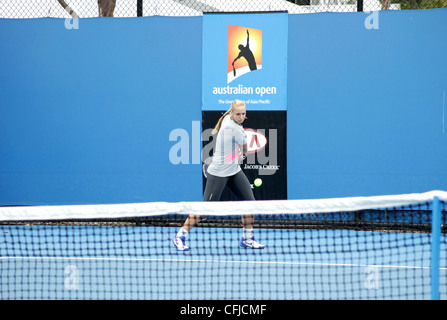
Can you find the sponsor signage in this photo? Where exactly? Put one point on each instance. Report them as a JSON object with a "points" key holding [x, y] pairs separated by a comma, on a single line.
{"points": [[245, 58]]}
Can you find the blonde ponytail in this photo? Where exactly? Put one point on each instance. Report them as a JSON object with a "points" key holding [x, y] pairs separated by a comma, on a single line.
{"points": [[219, 123], [235, 104]]}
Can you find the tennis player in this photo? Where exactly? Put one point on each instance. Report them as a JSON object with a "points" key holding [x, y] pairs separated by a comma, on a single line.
{"points": [[225, 170]]}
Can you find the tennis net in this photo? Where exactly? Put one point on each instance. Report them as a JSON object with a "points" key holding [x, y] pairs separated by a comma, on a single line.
{"points": [[382, 247]]}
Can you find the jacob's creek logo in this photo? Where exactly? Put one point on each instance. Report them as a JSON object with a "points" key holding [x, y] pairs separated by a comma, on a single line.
{"points": [[244, 57]]}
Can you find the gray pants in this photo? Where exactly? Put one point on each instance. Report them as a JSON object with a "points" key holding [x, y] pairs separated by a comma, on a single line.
{"points": [[238, 184]]}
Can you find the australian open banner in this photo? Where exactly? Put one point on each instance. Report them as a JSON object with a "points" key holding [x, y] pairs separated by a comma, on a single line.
{"points": [[245, 57]]}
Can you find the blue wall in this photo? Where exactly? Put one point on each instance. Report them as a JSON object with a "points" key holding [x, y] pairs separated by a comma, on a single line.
{"points": [[85, 115], [365, 106]]}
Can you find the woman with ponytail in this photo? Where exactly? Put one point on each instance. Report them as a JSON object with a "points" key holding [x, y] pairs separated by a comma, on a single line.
{"points": [[224, 170]]}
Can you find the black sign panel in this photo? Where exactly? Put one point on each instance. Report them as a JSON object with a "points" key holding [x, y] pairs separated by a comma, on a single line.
{"points": [[266, 158]]}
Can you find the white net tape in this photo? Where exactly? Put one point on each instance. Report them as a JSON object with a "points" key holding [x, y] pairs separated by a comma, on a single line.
{"points": [[222, 208]]}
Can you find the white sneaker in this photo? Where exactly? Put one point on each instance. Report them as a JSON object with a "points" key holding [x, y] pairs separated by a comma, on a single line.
{"points": [[180, 243], [251, 243]]}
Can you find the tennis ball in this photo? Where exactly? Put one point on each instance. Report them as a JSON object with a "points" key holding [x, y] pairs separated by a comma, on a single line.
{"points": [[258, 182]]}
